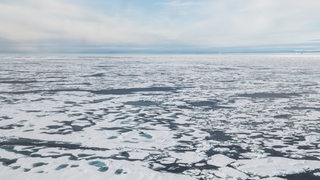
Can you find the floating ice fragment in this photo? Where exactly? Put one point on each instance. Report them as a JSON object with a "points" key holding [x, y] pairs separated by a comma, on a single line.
{"points": [[157, 166], [312, 138], [276, 166], [273, 178], [230, 173], [220, 160], [168, 160], [187, 157], [221, 149]]}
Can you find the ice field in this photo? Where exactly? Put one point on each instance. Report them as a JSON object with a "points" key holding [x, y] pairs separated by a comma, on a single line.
{"points": [[160, 117]]}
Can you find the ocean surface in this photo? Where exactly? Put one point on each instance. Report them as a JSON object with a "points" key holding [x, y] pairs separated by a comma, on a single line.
{"points": [[160, 117]]}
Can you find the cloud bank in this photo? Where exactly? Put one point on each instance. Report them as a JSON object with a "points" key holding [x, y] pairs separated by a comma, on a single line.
{"points": [[170, 25]]}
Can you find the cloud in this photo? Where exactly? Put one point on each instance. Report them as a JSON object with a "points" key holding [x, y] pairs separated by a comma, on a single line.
{"points": [[250, 21], [181, 5], [54, 20], [35, 25]]}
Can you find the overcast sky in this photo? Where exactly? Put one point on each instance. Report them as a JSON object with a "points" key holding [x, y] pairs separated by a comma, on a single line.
{"points": [[158, 25]]}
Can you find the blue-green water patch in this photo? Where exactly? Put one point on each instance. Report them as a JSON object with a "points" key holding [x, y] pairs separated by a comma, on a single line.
{"points": [[145, 135], [62, 166], [101, 165], [118, 171], [103, 169], [97, 163], [38, 164], [112, 137]]}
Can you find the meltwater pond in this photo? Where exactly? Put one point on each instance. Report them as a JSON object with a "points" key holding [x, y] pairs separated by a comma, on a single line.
{"points": [[160, 117]]}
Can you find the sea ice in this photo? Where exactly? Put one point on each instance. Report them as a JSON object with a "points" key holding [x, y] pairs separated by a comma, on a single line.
{"points": [[220, 160], [159, 117], [275, 166]]}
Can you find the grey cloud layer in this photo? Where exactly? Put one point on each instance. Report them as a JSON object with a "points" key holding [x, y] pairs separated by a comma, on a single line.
{"points": [[30, 25]]}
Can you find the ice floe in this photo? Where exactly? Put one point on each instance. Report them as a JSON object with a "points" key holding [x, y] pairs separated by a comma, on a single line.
{"points": [[275, 166]]}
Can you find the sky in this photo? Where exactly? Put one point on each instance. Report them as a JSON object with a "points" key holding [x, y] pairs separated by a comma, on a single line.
{"points": [[159, 26]]}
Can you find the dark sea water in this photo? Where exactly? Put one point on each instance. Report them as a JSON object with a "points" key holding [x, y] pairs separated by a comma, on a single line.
{"points": [[160, 117]]}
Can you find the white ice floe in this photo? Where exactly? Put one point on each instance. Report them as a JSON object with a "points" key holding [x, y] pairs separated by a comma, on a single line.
{"points": [[221, 150], [275, 166], [188, 157], [219, 160], [230, 173], [273, 178], [313, 139]]}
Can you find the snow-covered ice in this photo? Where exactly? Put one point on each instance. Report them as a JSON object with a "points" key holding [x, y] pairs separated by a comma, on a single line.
{"points": [[160, 117], [275, 166]]}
